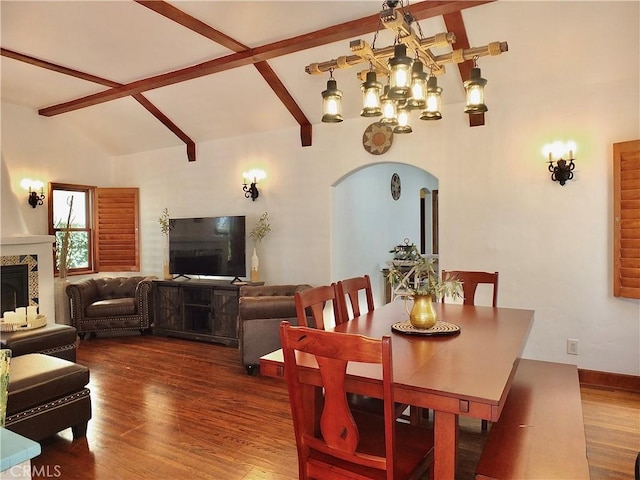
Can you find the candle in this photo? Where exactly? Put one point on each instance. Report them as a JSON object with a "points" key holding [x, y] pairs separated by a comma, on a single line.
{"points": [[11, 317], [32, 312], [21, 313]]}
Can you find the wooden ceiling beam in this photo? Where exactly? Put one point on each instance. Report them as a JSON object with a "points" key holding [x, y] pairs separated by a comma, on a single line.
{"points": [[455, 24], [343, 31], [141, 99], [174, 14]]}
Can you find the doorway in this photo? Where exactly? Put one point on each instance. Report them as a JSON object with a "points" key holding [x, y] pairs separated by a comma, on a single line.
{"points": [[368, 220]]}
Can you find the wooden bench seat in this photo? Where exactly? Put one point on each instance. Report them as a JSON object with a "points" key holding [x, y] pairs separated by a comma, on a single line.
{"points": [[540, 433]]}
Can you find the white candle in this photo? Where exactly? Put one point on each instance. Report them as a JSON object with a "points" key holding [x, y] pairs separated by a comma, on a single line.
{"points": [[32, 312], [11, 317], [21, 312]]}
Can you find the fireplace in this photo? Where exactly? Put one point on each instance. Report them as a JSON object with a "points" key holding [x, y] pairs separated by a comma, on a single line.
{"points": [[14, 287], [18, 281]]}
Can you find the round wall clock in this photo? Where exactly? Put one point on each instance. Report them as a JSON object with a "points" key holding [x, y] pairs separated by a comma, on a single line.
{"points": [[395, 186]]}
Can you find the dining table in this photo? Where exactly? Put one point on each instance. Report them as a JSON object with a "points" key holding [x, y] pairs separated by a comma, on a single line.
{"points": [[466, 369]]}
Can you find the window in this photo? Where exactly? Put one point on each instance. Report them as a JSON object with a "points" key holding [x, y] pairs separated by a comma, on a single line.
{"points": [[626, 219], [101, 224]]}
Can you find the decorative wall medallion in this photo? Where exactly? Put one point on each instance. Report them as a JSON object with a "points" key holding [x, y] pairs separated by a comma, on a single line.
{"points": [[395, 186], [377, 138]]}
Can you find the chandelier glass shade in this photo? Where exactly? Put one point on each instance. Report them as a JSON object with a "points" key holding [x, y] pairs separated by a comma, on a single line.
{"points": [[432, 104], [371, 90], [332, 102], [408, 86], [475, 92]]}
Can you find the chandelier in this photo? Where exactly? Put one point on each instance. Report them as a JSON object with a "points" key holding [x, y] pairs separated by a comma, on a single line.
{"points": [[409, 87]]}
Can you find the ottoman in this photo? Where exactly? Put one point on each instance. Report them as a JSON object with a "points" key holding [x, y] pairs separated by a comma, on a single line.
{"points": [[46, 395], [53, 339]]}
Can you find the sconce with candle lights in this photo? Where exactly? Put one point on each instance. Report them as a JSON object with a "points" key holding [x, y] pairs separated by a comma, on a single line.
{"points": [[561, 169], [250, 183], [34, 197]]}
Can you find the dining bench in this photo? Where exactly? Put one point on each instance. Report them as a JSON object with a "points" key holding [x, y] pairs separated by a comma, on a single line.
{"points": [[540, 432]]}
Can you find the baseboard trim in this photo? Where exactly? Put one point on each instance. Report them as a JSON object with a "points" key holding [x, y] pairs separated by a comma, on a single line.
{"points": [[617, 381]]}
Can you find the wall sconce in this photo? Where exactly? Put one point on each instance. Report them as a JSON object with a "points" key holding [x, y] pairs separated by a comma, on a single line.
{"points": [[250, 183], [562, 170], [34, 198]]}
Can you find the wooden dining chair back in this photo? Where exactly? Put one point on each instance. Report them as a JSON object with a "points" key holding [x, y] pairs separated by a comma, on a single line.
{"points": [[470, 282], [347, 444], [349, 295], [310, 306]]}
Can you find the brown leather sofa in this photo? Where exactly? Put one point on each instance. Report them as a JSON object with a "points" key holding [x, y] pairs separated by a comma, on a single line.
{"points": [[111, 303], [261, 310]]}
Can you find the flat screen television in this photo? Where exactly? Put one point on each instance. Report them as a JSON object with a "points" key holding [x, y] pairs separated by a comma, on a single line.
{"points": [[213, 246]]}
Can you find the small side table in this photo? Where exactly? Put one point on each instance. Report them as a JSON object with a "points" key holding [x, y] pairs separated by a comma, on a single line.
{"points": [[16, 453]]}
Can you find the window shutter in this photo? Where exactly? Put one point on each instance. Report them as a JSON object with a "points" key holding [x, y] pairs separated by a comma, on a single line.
{"points": [[116, 230], [626, 216]]}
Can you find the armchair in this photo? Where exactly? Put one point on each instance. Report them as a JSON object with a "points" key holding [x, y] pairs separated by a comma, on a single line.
{"points": [[261, 309], [111, 303]]}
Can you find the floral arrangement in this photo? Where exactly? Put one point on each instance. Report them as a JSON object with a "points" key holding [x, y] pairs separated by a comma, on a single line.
{"points": [[425, 281], [261, 229], [165, 222]]}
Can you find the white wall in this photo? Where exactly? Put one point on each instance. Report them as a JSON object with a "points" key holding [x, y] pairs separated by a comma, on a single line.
{"points": [[498, 208]]}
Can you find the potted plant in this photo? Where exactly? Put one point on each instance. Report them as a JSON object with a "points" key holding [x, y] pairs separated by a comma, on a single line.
{"points": [[417, 276], [259, 231]]}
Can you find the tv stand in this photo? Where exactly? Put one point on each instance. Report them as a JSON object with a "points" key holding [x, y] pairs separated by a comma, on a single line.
{"points": [[205, 310], [186, 277]]}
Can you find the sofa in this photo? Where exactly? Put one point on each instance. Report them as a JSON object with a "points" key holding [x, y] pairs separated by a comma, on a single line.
{"points": [[111, 303], [261, 309]]}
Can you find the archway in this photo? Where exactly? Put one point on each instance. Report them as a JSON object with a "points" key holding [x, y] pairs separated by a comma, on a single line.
{"points": [[367, 221]]}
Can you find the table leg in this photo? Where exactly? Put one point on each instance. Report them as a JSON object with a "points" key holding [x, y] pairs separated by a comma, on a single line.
{"points": [[446, 445]]}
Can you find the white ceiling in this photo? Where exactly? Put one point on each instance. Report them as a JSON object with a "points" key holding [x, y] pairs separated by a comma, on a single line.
{"points": [[123, 41]]}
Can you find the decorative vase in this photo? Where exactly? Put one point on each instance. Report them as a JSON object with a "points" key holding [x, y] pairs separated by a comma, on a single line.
{"points": [[422, 314], [255, 264], [61, 301], [165, 266]]}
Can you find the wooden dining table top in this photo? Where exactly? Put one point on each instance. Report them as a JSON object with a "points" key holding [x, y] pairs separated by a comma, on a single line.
{"points": [[468, 373]]}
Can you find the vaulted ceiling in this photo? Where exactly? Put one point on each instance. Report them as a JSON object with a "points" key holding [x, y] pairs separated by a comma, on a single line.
{"points": [[142, 75]]}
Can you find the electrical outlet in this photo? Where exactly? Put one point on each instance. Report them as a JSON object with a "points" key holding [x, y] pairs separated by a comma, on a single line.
{"points": [[572, 346]]}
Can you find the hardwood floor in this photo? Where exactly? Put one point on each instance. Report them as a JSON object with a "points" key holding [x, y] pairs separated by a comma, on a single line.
{"points": [[177, 409]]}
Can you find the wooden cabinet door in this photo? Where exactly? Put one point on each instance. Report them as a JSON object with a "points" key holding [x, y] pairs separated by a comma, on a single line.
{"points": [[168, 308], [225, 306]]}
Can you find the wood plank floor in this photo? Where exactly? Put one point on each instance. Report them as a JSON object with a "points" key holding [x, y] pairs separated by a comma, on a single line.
{"points": [[176, 409]]}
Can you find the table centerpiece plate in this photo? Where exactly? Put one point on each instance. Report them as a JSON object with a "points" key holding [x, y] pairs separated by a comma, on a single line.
{"points": [[440, 328]]}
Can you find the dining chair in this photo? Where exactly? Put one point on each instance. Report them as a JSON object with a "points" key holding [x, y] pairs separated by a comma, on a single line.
{"points": [[471, 280], [346, 443], [348, 293], [310, 305]]}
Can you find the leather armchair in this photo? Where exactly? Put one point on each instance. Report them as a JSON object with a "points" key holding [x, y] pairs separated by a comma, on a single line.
{"points": [[261, 309], [111, 303]]}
